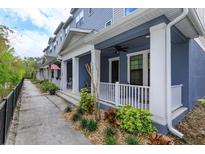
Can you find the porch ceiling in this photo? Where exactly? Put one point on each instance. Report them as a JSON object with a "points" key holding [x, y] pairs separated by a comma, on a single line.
{"points": [[131, 44]]}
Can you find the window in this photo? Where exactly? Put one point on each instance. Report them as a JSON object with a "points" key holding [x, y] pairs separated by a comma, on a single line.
{"points": [[136, 69], [79, 19], [129, 10], [108, 23], [90, 11]]}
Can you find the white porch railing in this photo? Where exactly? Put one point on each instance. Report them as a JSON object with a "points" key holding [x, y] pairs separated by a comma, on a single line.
{"points": [[121, 94], [136, 96], [176, 96]]}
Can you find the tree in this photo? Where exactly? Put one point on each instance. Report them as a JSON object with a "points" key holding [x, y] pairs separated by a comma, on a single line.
{"points": [[11, 67]]}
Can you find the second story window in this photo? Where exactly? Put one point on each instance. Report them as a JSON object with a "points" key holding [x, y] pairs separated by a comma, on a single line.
{"points": [[108, 23], [90, 11], [79, 19], [129, 10]]}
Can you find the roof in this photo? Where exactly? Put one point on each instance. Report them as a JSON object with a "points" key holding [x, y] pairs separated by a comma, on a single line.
{"points": [[46, 49], [68, 21], [50, 40], [74, 31], [54, 38], [58, 28], [73, 10]]}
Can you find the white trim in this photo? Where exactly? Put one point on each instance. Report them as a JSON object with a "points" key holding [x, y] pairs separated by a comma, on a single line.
{"points": [[110, 67], [107, 22], [144, 67], [113, 15], [201, 42]]}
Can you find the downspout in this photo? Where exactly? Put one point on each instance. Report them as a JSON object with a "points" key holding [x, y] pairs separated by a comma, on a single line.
{"points": [[168, 73]]}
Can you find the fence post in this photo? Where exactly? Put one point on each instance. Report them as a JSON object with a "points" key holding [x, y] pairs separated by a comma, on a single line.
{"points": [[117, 94], [5, 120]]}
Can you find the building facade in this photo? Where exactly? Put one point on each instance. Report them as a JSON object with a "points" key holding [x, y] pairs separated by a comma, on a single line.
{"points": [[137, 57]]}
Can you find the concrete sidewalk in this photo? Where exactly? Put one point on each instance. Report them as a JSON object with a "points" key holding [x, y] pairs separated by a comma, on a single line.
{"points": [[41, 120]]}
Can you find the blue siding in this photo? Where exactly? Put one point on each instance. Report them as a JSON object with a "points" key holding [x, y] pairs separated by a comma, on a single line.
{"points": [[196, 72], [132, 33], [96, 20], [83, 74], [179, 61]]}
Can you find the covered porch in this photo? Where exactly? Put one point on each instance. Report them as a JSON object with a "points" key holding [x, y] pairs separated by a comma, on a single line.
{"points": [[125, 75]]}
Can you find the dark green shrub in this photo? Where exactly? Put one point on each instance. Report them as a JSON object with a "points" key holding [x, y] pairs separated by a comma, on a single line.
{"points": [[110, 132], [135, 120], [110, 141], [92, 125], [76, 117], [83, 123], [131, 140], [46, 86], [68, 109], [86, 101]]}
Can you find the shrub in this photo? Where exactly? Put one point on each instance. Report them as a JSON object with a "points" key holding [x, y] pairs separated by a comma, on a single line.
{"points": [[86, 101], [68, 109], [46, 86], [111, 116], [202, 101], [135, 120], [131, 140], [110, 141], [76, 117], [92, 125], [83, 123], [51, 86], [159, 139], [80, 111], [110, 132]]}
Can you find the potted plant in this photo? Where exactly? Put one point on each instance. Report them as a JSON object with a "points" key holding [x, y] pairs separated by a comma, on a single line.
{"points": [[52, 88]]}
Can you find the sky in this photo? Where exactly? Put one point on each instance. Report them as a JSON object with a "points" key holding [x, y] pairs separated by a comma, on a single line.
{"points": [[32, 28]]}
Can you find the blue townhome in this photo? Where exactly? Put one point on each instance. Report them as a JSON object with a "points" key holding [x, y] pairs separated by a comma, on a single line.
{"points": [[149, 58]]}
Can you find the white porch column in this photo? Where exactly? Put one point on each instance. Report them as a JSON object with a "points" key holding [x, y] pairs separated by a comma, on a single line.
{"points": [[158, 72], [63, 83], [75, 77], [95, 64]]}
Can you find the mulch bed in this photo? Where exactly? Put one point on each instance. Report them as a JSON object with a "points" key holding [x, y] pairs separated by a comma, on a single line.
{"points": [[192, 126], [97, 137]]}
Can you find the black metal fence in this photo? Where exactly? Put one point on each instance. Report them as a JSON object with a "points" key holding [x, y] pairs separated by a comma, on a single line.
{"points": [[7, 108]]}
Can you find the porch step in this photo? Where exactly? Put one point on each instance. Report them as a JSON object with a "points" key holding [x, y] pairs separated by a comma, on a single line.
{"points": [[178, 112], [69, 97]]}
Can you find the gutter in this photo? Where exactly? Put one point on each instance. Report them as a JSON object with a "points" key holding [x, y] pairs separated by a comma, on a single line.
{"points": [[168, 73]]}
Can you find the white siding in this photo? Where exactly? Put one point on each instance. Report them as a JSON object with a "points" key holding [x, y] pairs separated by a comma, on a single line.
{"points": [[118, 13]]}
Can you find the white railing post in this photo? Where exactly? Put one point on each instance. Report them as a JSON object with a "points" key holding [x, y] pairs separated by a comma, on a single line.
{"points": [[117, 94]]}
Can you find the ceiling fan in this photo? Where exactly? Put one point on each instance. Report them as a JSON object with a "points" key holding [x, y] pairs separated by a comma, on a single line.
{"points": [[119, 48]]}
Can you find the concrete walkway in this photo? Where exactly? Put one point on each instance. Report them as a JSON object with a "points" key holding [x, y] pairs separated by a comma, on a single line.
{"points": [[41, 120]]}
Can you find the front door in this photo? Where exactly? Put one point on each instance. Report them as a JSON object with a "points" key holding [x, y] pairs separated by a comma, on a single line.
{"points": [[69, 74], [115, 71]]}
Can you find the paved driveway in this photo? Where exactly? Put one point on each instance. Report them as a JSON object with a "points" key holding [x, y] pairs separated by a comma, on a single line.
{"points": [[41, 120]]}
